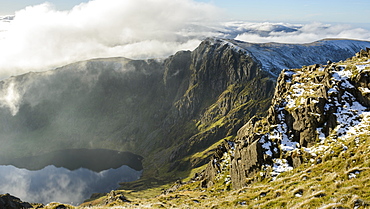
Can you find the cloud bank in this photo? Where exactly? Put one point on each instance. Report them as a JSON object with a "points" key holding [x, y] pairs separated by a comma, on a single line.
{"points": [[295, 33], [40, 37]]}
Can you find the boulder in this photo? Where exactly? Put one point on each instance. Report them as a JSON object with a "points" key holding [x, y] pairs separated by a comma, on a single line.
{"points": [[115, 196], [246, 163], [8, 201]]}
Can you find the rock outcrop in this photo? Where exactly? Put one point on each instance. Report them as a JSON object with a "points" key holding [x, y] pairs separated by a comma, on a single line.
{"points": [[8, 201], [311, 107], [114, 197]]}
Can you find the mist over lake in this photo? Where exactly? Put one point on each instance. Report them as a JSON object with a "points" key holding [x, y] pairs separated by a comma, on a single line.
{"points": [[70, 179]]}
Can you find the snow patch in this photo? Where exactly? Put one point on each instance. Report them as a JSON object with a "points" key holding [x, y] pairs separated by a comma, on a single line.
{"points": [[364, 90], [298, 195], [266, 145], [362, 127], [280, 166], [348, 114], [320, 134], [351, 176], [342, 77], [235, 47], [362, 67]]}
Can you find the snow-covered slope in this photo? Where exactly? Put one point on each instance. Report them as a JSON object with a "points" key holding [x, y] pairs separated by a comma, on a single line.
{"points": [[275, 57]]}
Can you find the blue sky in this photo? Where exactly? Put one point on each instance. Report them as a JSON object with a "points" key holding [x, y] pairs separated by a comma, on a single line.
{"points": [[334, 11], [356, 11], [8, 7]]}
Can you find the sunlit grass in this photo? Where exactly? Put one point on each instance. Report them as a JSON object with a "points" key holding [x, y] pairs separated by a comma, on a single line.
{"points": [[340, 180]]}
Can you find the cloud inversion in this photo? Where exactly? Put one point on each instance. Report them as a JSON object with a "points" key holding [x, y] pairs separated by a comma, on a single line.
{"points": [[298, 33]]}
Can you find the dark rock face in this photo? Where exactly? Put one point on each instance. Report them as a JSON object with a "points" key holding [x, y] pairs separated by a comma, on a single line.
{"points": [[247, 161], [221, 80], [10, 202]]}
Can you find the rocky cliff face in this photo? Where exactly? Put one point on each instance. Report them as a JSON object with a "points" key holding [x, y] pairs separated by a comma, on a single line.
{"points": [[166, 110], [315, 110], [219, 96], [231, 81]]}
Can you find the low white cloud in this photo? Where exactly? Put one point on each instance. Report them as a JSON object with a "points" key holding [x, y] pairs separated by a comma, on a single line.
{"points": [[10, 97], [41, 37], [300, 33]]}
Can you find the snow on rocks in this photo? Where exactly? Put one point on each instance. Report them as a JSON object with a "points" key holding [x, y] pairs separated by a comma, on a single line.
{"points": [[362, 67], [350, 114], [362, 126], [266, 145], [351, 117], [364, 90], [280, 166], [342, 77]]}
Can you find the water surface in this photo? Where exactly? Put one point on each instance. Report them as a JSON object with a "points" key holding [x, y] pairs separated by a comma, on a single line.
{"points": [[86, 173]]}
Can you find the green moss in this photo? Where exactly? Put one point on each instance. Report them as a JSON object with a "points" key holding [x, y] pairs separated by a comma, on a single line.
{"points": [[207, 127]]}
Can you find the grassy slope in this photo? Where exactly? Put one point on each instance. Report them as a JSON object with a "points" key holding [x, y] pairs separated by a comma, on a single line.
{"points": [[327, 184]]}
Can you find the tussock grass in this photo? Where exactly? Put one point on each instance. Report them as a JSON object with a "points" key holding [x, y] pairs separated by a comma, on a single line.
{"points": [[328, 184]]}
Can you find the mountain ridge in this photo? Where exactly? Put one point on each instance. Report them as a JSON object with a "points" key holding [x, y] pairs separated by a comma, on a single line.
{"points": [[306, 126], [170, 111], [274, 57]]}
